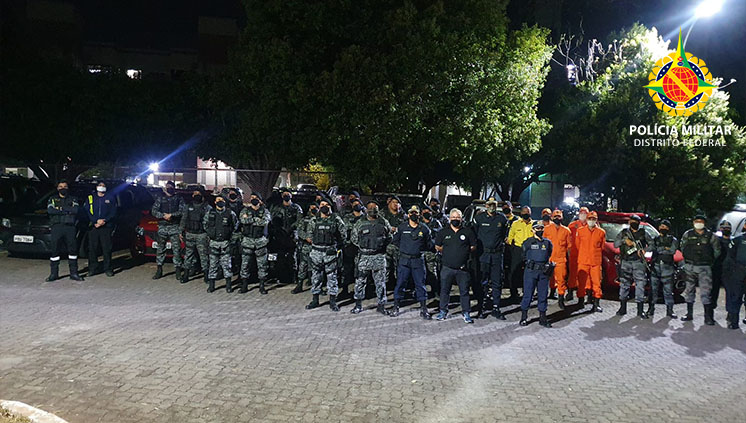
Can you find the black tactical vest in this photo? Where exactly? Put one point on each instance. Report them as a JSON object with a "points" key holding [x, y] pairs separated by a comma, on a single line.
{"points": [[372, 235], [220, 225], [323, 232], [639, 238], [170, 205], [697, 249], [193, 217], [665, 241], [249, 229]]}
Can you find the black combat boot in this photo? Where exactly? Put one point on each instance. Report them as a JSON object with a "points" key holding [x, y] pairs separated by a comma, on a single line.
{"points": [[670, 313], [689, 313], [423, 311], [228, 285], [569, 296], [622, 308], [358, 307], [651, 309], [314, 302], [185, 276], [552, 294], [298, 287], [158, 272], [207, 280], [382, 309], [641, 311], [74, 270], [561, 302], [709, 318], [543, 319], [333, 303], [261, 288], [394, 312], [732, 321], [177, 273], [596, 306], [54, 271], [581, 301], [589, 298], [211, 285], [244, 285], [497, 314], [524, 318]]}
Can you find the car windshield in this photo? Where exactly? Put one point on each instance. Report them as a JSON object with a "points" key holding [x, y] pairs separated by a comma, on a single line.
{"points": [[612, 230]]}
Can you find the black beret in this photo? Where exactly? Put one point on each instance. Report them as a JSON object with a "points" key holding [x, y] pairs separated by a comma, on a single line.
{"points": [[635, 217], [666, 222], [700, 216], [257, 194]]}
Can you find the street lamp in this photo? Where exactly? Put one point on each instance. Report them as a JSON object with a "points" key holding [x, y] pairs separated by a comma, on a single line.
{"points": [[154, 166], [705, 9]]}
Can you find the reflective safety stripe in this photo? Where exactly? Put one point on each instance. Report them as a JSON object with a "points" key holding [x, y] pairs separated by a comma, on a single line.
{"points": [[72, 257], [90, 202], [55, 258]]}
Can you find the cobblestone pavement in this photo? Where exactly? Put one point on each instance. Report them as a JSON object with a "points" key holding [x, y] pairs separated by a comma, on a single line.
{"points": [[130, 349]]}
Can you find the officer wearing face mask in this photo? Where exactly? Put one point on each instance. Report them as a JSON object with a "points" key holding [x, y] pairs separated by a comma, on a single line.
{"points": [[590, 240], [734, 278], [632, 243], [194, 237], [537, 251], [559, 234], [167, 208], [220, 223], [371, 234], [348, 208], [664, 247], [491, 229], [303, 249], [520, 231], [62, 209], [101, 209], [700, 248], [717, 268], [432, 277], [285, 219], [412, 239], [395, 216], [438, 212], [235, 203], [456, 243], [572, 264], [349, 252], [327, 236], [254, 219]]}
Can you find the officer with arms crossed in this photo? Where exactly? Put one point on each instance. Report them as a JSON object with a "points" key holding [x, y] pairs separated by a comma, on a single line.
{"points": [[371, 234], [62, 209], [491, 230], [700, 248], [456, 244], [412, 238], [101, 208], [220, 223], [664, 247], [254, 219], [193, 235], [167, 209], [327, 235]]}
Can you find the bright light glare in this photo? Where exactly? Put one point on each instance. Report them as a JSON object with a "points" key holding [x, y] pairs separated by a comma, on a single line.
{"points": [[569, 200], [526, 169], [154, 166], [708, 8]]}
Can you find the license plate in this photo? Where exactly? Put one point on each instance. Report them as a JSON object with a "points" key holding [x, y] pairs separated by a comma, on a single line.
{"points": [[26, 239], [155, 245], [272, 257]]}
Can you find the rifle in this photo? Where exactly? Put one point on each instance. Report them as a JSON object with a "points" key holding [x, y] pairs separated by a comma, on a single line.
{"points": [[638, 249]]}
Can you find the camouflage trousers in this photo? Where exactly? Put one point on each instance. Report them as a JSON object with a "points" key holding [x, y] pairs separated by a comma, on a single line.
{"points": [[168, 233], [431, 271], [196, 245], [304, 263], [254, 249], [220, 257], [632, 271], [701, 274], [235, 250], [663, 274], [392, 262], [373, 265], [323, 263]]}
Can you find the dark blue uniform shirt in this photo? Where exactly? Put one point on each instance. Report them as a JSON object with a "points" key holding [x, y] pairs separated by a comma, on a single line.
{"points": [[412, 241], [537, 251], [101, 207]]}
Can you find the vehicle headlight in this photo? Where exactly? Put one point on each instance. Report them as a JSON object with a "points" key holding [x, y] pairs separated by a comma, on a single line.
{"points": [[6, 223], [140, 230]]}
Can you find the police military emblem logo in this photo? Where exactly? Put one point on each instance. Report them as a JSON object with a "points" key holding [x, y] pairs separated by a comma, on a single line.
{"points": [[680, 83], [463, 237]]}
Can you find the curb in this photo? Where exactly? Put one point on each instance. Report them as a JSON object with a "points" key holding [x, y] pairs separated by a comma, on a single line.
{"points": [[32, 413]]}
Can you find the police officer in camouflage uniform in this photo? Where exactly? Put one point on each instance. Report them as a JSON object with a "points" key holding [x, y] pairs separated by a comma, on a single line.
{"points": [[431, 258], [438, 213], [328, 234], [167, 209], [717, 268], [663, 247], [254, 219], [220, 223], [700, 248], [395, 216], [371, 234], [303, 250], [491, 229], [194, 236], [235, 203], [734, 278], [349, 253], [285, 219], [632, 243], [62, 209]]}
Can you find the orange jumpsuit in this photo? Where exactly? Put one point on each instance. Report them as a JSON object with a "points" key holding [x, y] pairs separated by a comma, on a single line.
{"points": [[590, 244], [560, 237], [572, 280]]}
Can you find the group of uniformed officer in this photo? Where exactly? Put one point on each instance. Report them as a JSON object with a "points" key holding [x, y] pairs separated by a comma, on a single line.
{"points": [[421, 246]]}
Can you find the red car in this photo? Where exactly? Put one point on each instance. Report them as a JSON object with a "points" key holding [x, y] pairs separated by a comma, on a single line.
{"points": [[146, 243], [613, 223]]}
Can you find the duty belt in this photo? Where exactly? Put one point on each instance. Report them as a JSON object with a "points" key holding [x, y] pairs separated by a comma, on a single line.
{"points": [[409, 256], [499, 249], [370, 252], [322, 247], [534, 265]]}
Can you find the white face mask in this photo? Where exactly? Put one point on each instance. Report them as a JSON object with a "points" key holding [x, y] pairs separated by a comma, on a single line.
{"points": [[699, 226], [101, 189], [582, 217], [591, 223]]}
